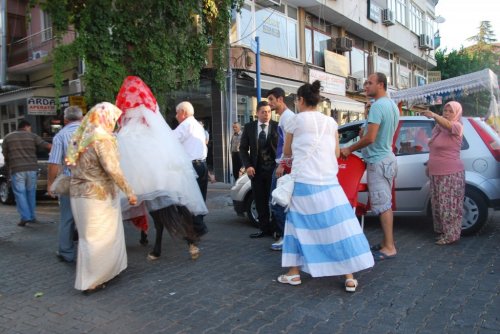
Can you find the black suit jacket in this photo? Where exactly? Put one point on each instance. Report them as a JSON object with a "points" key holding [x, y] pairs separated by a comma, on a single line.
{"points": [[249, 143]]}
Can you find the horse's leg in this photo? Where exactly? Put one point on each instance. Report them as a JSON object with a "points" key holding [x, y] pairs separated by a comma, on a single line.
{"points": [[156, 253]]}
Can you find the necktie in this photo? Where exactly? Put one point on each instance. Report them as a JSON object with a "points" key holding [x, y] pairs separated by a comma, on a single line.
{"points": [[262, 136]]}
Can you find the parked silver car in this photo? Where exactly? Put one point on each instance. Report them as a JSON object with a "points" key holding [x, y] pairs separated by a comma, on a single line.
{"points": [[480, 154]]}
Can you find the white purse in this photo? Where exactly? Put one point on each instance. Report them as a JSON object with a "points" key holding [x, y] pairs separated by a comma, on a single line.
{"points": [[60, 185], [282, 195]]}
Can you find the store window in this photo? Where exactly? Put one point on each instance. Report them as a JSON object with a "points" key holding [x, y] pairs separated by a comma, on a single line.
{"points": [[276, 28], [401, 11], [317, 34], [358, 58], [404, 74], [46, 27], [384, 64], [415, 19]]}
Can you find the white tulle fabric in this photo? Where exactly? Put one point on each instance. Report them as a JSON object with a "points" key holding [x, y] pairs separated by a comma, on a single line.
{"points": [[156, 166]]}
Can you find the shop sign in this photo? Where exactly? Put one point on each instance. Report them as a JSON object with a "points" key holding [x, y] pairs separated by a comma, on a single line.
{"points": [[373, 12], [272, 27], [332, 84], [336, 64], [77, 100], [433, 76], [43, 106]]}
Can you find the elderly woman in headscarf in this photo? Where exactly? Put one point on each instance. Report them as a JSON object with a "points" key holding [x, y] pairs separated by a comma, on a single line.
{"points": [[446, 173], [95, 200], [159, 169]]}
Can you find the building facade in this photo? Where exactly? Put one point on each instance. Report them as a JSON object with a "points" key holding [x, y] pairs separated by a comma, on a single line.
{"points": [[26, 77], [339, 42]]}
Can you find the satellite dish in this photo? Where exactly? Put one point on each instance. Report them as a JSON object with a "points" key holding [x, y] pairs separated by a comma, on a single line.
{"points": [[439, 19]]}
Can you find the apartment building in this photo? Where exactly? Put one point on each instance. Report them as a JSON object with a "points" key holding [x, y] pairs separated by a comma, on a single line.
{"points": [[339, 42], [26, 77]]}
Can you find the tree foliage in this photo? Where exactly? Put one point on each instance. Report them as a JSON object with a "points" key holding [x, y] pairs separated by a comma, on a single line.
{"points": [[485, 35], [164, 42]]}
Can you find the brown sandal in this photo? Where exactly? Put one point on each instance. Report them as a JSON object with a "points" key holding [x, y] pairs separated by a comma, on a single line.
{"points": [[442, 242]]}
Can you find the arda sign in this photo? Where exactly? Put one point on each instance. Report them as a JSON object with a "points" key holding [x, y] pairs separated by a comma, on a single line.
{"points": [[45, 106]]}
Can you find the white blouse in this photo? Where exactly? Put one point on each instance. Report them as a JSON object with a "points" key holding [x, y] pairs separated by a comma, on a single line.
{"points": [[314, 160]]}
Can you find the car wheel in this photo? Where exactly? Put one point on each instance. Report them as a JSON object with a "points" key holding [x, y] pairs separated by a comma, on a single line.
{"points": [[475, 212], [251, 209], [6, 195]]}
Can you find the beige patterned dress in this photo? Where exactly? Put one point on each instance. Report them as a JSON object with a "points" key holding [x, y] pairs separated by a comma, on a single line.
{"points": [[95, 202]]}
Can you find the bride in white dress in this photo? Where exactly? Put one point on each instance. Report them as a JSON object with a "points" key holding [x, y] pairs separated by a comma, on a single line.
{"points": [[152, 159]]}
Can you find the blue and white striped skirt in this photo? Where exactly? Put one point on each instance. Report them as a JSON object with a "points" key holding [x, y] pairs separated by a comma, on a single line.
{"points": [[322, 233]]}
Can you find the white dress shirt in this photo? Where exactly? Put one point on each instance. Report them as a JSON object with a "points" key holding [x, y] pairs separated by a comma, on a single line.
{"points": [[259, 128], [192, 137]]}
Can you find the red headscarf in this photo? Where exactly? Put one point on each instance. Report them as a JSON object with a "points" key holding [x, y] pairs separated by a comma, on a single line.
{"points": [[134, 93]]}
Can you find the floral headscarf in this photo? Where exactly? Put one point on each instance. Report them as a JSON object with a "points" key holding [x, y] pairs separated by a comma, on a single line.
{"points": [[135, 93], [457, 117], [98, 124]]}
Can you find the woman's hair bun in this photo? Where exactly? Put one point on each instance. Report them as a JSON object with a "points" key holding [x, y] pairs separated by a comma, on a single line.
{"points": [[316, 86]]}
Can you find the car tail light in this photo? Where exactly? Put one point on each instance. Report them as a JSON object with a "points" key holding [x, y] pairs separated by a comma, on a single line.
{"points": [[489, 137]]}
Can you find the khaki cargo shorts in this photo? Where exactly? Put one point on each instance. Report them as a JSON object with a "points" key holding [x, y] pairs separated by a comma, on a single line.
{"points": [[380, 177]]}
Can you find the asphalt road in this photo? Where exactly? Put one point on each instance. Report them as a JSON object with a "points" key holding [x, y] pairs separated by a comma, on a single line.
{"points": [[232, 287]]}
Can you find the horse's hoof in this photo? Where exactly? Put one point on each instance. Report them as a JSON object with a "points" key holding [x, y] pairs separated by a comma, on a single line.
{"points": [[152, 256], [194, 252]]}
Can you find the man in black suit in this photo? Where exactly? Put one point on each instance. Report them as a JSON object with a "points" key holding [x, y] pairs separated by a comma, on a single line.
{"points": [[258, 154]]}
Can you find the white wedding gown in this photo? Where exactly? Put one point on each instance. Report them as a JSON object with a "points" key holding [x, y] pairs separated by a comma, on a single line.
{"points": [[156, 165]]}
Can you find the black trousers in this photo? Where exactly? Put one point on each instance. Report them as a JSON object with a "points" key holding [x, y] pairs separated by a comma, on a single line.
{"points": [[261, 189], [236, 160], [201, 169]]}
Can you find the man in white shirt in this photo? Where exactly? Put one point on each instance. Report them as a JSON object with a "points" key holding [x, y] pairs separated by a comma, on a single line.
{"points": [[192, 137], [276, 100]]}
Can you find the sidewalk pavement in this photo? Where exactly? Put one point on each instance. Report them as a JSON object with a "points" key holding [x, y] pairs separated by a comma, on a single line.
{"points": [[232, 287]]}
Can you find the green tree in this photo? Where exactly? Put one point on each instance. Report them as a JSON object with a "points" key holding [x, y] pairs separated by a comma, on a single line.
{"points": [[485, 35], [164, 42]]}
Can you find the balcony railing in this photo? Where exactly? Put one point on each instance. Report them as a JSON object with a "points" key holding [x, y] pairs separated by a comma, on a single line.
{"points": [[34, 46]]}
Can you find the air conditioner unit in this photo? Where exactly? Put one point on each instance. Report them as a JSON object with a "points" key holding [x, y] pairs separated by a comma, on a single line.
{"points": [[388, 17], [268, 3], [39, 54], [242, 99], [426, 42], [350, 84], [343, 44], [359, 83], [75, 86]]}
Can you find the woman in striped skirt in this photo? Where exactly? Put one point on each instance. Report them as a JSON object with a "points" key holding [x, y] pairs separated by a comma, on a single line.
{"points": [[322, 233]]}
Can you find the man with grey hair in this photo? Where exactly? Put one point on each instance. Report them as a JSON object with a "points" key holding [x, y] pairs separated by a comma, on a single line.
{"points": [[192, 137], [72, 118]]}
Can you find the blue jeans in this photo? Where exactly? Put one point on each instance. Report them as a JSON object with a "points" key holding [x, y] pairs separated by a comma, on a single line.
{"points": [[278, 212], [24, 189], [66, 230]]}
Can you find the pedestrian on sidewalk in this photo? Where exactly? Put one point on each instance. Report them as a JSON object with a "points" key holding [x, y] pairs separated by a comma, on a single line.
{"points": [[19, 150], [276, 99], [376, 147], [446, 172], [258, 155], [95, 199], [235, 150], [322, 234], [72, 120], [193, 139]]}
